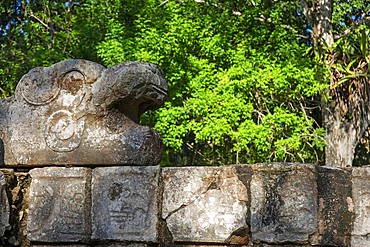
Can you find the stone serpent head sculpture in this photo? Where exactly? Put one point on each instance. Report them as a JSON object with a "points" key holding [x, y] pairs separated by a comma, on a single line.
{"points": [[78, 112]]}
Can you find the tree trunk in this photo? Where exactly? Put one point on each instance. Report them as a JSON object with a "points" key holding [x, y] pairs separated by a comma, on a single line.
{"points": [[346, 117], [319, 16], [322, 28], [341, 139]]}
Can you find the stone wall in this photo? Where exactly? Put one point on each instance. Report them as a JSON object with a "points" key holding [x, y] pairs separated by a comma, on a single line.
{"points": [[78, 169], [274, 204]]}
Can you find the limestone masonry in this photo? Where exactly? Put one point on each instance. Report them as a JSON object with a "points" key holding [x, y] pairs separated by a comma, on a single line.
{"points": [[276, 204], [78, 112], [77, 169]]}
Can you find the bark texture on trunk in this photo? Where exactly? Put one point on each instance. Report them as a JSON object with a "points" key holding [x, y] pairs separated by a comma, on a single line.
{"points": [[319, 16], [346, 117], [341, 139]]}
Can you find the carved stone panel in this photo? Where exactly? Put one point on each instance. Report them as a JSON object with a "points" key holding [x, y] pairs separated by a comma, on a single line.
{"points": [[124, 245], [59, 245], [59, 205], [361, 205], [125, 203], [4, 206], [78, 112], [98, 245], [283, 203], [207, 204], [335, 207]]}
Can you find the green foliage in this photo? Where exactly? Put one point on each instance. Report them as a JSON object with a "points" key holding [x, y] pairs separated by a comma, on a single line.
{"points": [[242, 86], [33, 33], [349, 59], [348, 63], [239, 85]]}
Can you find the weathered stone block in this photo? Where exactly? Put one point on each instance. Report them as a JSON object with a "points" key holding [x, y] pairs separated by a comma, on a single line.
{"points": [[280, 245], [208, 245], [97, 245], [59, 205], [18, 194], [59, 245], [207, 204], [361, 206], [360, 241], [4, 205], [335, 207], [123, 245], [283, 202], [79, 112], [125, 203]]}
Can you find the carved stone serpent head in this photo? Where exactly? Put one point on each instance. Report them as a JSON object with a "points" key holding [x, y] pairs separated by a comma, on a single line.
{"points": [[79, 112]]}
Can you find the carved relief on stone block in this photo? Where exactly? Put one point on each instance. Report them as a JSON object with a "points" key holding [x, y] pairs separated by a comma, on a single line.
{"points": [[125, 203], [78, 112], [4, 206], [59, 245], [361, 204], [59, 205], [283, 203], [335, 207], [207, 204], [124, 245]]}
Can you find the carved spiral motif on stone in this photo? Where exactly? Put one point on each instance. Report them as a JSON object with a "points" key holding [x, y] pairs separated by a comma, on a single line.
{"points": [[38, 90], [63, 132], [72, 81]]}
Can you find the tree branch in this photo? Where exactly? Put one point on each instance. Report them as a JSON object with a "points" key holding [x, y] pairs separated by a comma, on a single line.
{"points": [[163, 3], [268, 20], [353, 27], [39, 20]]}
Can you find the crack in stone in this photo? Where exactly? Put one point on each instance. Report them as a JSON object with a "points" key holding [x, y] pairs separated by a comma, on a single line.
{"points": [[176, 210], [195, 199], [214, 183]]}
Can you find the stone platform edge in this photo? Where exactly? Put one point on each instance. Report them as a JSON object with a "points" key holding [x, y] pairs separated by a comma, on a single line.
{"points": [[272, 204]]}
